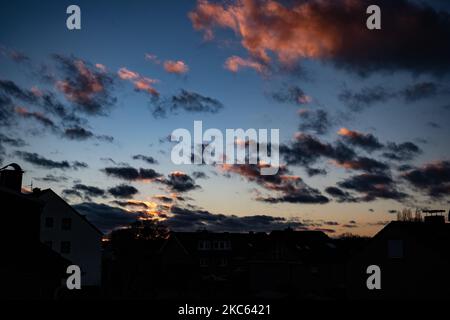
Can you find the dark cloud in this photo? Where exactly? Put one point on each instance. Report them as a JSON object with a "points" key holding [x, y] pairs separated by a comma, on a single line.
{"points": [[7, 114], [287, 187], [123, 191], [108, 218], [52, 178], [340, 195], [432, 178], [78, 133], [302, 194], [72, 193], [82, 134], [433, 125], [36, 97], [79, 165], [180, 182], [364, 164], [49, 107], [401, 152], [334, 32], [183, 219], [368, 96], [307, 149], [131, 174], [373, 186], [88, 88], [132, 204], [199, 175], [15, 55], [9, 88], [147, 159], [163, 198], [40, 161], [365, 141], [357, 101], [186, 101], [14, 142], [39, 117], [105, 138], [420, 91], [316, 121], [311, 172], [89, 191]]}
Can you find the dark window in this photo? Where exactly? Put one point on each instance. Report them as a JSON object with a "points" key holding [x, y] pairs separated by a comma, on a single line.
{"points": [[66, 224], [65, 247], [204, 245], [48, 243], [49, 222], [395, 248]]}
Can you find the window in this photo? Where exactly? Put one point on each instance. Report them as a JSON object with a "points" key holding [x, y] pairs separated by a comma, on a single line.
{"points": [[66, 224], [65, 247], [395, 249], [49, 222], [48, 244]]}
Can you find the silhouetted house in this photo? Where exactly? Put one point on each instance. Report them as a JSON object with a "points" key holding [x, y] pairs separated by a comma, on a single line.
{"points": [[296, 263], [205, 261], [70, 234], [414, 258], [130, 265], [29, 269]]}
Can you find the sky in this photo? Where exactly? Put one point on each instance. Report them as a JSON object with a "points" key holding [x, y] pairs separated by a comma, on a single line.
{"points": [[362, 113]]}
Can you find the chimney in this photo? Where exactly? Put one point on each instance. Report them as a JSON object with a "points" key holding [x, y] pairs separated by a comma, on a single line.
{"points": [[11, 179]]}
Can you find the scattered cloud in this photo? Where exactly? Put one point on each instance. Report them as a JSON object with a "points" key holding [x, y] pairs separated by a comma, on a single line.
{"points": [[401, 152], [235, 63], [141, 83], [366, 141], [132, 174], [123, 191], [315, 121], [42, 162], [291, 94], [180, 182], [87, 87], [177, 67], [373, 186], [148, 159], [187, 101], [432, 178]]}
